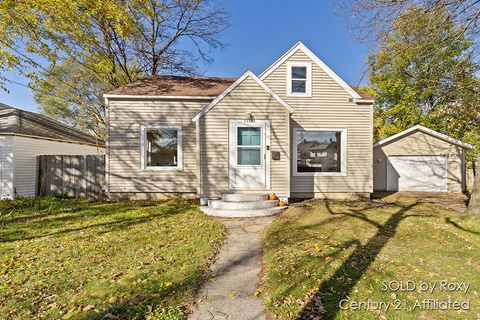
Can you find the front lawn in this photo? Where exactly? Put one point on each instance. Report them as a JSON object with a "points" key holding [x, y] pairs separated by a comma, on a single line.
{"points": [[73, 259], [325, 258]]}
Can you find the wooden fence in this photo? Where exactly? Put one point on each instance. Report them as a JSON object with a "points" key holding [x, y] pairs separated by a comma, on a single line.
{"points": [[72, 175]]}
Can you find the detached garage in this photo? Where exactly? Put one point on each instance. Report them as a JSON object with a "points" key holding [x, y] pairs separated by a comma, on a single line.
{"points": [[419, 159]]}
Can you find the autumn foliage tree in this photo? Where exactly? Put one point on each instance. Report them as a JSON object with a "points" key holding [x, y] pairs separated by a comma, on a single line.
{"points": [[420, 79], [425, 72], [65, 45]]}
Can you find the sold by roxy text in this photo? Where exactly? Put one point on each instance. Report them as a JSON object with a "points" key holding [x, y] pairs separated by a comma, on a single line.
{"points": [[425, 286]]}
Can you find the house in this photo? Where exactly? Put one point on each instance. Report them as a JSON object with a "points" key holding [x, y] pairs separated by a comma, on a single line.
{"points": [[297, 130], [419, 159], [25, 135]]}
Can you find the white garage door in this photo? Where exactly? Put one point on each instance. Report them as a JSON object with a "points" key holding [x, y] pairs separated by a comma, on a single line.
{"points": [[417, 173]]}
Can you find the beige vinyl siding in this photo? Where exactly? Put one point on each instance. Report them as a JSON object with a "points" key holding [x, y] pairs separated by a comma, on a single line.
{"points": [[248, 96], [419, 143], [329, 107], [26, 151], [6, 167], [125, 174]]}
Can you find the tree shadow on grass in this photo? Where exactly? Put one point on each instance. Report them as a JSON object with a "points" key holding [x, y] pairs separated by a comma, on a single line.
{"points": [[103, 227], [456, 225], [326, 301], [152, 295], [134, 300]]}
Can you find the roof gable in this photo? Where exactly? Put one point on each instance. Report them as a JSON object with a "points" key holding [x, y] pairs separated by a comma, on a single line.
{"points": [[247, 74], [300, 46], [427, 131]]}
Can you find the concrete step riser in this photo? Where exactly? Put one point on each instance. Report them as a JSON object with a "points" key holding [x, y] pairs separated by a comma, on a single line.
{"points": [[248, 205], [242, 213], [239, 197]]}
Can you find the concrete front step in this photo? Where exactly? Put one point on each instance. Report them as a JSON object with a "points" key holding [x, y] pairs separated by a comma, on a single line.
{"points": [[242, 197], [246, 205], [229, 213]]}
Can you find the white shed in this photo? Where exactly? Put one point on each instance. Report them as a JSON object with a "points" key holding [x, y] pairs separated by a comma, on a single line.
{"points": [[25, 135]]}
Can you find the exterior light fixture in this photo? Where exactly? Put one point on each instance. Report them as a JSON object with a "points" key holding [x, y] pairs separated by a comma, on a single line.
{"points": [[249, 117]]}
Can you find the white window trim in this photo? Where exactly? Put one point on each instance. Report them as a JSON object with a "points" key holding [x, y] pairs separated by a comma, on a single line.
{"points": [[143, 129], [343, 154], [308, 83]]}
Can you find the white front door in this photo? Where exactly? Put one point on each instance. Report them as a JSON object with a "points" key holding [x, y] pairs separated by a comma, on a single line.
{"points": [[249, 161]]}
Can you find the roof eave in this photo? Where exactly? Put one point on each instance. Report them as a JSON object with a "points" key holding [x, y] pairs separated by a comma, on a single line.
{"points": [[155, 97], [427, 131], [364, 101]]}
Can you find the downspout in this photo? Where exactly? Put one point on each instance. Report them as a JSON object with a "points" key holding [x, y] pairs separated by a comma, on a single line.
{"points": [[107, 148], [198, 158], [289, 154]]}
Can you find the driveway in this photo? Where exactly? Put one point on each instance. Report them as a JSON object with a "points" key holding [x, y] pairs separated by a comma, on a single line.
{"points": [[230, 292]]}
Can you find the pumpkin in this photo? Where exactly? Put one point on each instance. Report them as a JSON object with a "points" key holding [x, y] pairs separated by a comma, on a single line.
{"points": [[272, 196], [282, 203]]}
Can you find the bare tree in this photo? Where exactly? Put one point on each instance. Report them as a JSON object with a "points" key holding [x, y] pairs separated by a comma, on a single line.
{"points": [[198, 21], [372, 17], [160, 27]]}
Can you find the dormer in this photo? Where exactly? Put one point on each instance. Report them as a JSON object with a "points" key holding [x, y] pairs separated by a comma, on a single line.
{"points": [[299, 75]]}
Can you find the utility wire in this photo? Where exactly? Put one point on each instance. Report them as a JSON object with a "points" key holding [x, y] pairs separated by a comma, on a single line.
{"points": [[39, 91]]}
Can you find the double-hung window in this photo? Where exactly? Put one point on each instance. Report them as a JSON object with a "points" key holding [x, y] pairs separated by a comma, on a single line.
{"points": [[299, 82], [320, 152], [161, 147]]}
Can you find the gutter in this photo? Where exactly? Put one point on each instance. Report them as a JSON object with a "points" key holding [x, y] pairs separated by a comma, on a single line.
{"points": [[148, 97], [52, 139]]}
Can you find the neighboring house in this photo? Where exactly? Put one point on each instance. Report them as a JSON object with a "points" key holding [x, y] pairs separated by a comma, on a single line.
{"points": [[25, 135], [297, 130], [419, 159]]}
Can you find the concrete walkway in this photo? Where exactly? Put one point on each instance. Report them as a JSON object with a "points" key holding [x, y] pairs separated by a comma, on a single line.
{"points": [[229, 294]]}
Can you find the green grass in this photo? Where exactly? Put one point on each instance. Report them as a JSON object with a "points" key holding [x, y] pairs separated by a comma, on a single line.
{"points": [[73, 259], [319, 253]]}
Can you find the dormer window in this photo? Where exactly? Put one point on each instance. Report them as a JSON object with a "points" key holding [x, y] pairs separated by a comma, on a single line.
{"points": [[299, 75]]}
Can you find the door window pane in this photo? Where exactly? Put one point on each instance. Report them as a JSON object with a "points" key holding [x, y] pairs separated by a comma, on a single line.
{"points": [[248, 136], [248, 156], [318, 151], [161, 148]]}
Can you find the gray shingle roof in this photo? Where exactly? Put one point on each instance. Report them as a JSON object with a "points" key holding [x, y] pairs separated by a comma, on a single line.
{"points": [[17, 121]]}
